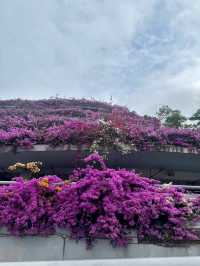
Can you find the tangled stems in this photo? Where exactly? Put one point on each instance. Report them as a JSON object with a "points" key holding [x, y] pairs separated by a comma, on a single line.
{"points": [[98, 202]]}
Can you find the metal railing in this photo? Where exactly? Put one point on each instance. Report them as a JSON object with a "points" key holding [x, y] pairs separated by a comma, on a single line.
{"points": [[15, 182], [186, 187]]}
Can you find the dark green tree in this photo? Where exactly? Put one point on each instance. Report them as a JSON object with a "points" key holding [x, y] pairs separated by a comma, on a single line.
{"points": [[170, 117], [163, 112], [196, 117]]}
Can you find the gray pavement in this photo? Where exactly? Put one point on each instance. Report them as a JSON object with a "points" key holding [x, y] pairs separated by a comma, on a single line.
{"points": [[181, 261]]}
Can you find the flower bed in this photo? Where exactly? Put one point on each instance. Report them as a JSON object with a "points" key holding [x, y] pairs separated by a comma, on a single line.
{"points": [[99, 125], [98, 202]]}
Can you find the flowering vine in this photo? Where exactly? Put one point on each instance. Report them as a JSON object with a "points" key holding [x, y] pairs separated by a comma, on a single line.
{"points": [[101, 126], [98, 202]]}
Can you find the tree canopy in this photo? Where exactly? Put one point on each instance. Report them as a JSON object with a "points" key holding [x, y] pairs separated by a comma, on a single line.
{"points": [[170, 117]]}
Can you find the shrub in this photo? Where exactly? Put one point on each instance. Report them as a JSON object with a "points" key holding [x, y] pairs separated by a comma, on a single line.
{"points": [[61, 121], [98, 202]]}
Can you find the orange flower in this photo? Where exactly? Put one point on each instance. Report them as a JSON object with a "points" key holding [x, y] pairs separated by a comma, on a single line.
{"points": [[45, 179], [44, 182], [58, 188]]}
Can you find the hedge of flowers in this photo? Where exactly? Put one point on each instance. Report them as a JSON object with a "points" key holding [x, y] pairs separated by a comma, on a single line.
{"points": [[98, 202], [61, 121]]}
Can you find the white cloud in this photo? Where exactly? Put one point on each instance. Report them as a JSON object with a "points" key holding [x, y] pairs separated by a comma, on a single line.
{"points": [[143, 53]]}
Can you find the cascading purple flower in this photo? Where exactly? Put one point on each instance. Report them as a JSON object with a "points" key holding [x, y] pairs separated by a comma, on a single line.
{"points": [[101, 203], [62, 121], [109, 203], [26, 208], [96, 160]]}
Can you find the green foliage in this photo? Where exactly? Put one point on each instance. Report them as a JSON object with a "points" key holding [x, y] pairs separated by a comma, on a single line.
{"points": [[196, 117], [163, 112], [175, 119], [170, 117]]}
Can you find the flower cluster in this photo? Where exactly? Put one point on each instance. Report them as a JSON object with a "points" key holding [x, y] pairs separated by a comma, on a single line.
{"points": [[27, 170], [18, 137], [27, 208], [72, 131], [96, 160], [98, 202], [33, 167], [99, 125]]}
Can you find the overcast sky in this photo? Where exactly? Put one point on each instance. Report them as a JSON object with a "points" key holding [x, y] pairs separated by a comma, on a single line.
{"points": [[143, 53]]}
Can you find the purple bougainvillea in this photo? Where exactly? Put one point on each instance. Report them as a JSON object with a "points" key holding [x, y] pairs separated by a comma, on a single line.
{"points": [[98, 203], [61, 121], [27, 208]]}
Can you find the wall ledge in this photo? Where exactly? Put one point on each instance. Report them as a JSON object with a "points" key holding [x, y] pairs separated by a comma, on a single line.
{"points": [[61, 248]]}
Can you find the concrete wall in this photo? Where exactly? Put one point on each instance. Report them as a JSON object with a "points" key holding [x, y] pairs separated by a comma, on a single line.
{"points": [[59, 247]]}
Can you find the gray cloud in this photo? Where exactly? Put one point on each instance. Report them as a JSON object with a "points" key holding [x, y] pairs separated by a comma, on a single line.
{"points": [[142, 53]]}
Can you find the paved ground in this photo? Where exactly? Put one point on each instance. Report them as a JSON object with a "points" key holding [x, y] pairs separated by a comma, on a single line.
{"points": [[181, 261]]}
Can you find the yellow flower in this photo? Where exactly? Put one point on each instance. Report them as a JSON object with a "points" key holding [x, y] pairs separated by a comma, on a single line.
{"points": [[15, 166], [12, 168], [20, 165], [33, 167]]}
